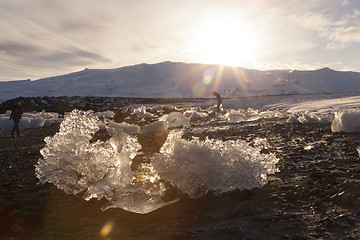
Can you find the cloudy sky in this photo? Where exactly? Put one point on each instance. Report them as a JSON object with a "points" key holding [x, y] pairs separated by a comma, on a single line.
{"points": [[43, 38]]}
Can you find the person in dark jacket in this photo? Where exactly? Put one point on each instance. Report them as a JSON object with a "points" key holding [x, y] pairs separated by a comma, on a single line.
{"points": [[218, 99], [61, 106], [16, 115]]}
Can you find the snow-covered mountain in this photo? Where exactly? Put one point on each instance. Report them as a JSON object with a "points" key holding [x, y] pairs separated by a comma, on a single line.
{"points": [[182, 80]]}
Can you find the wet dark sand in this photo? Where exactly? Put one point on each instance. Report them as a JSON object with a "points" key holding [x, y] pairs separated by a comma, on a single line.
{"points": [[314, 196]]}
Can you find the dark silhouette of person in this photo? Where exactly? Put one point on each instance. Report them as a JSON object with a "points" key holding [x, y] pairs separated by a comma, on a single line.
{"points": [[61, 106], [16, 115], [218, 99]]}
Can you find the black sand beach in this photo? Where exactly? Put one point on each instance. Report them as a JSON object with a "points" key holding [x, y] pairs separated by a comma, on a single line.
{"points": [[315, 195]]}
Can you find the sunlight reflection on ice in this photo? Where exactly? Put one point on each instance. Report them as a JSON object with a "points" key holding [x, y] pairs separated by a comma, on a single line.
{"points": [[102, 169]]}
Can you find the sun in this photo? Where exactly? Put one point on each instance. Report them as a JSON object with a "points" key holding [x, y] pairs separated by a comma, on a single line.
{"points": [[224, 41]]}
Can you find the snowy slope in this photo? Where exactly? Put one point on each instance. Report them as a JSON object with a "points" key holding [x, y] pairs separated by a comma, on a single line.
{"points": [[169, 79]]}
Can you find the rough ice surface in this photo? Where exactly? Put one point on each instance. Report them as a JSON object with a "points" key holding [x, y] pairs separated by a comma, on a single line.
{"points": [[74, 162], [234, 116], [194, 115], [113, 127], [6, 124], [142, 113], [29, 120], [106, 114], [98, 169], [175, 119], [292, 119], [346, 121], [195, 166], [306, 117], [158, 126]]}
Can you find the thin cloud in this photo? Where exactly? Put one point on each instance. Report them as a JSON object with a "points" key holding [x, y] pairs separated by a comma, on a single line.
{"points": [[73, 58], [42, 36], [18, 49], [339, 33], [28, 55], [346, 35], [345, 3], [335, 46], [313, 21]]}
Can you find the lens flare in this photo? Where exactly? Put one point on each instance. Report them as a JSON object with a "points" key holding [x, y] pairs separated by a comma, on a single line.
{"points": [[106, 229], [208, 76]]}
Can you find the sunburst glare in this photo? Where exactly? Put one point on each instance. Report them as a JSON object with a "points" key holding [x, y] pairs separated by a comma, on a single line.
{"points": [[226, 41]]}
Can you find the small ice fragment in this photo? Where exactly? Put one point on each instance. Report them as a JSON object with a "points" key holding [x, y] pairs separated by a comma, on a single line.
{"points": [[308, 147], [113, 127], [175, 119], [158, 126]]}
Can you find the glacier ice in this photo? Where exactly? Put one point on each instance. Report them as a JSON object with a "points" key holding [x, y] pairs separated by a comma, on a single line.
{"points": [[6, 124], [76, 163], [29, 120], [346, 121], [158, 126], [112, 127], [175, 119], [196, 167], [309, 117], [98, 169], [194, 115], [142, 113], [106, 114]]}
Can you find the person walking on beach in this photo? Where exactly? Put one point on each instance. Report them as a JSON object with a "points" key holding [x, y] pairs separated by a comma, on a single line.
{"points": [[16, 115], [61, 106], [218, 99]]}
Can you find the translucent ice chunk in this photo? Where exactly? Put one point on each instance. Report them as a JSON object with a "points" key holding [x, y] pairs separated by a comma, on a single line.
{"points": [[6, 124], [306, 117], [242, 115], [106, 114], [194, 115], [196, 167], [99, 169], [26, 122], [175, 119], [292, 119], [234, 116], [113, 127], [158, 126], [346, 121], [75, 163], [142, 113]]}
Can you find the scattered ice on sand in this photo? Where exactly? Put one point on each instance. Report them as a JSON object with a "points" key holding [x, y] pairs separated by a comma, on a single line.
{"points": [[102, 168]]}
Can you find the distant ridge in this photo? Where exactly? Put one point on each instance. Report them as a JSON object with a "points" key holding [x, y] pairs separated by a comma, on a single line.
{"points": [[183, 80]]}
